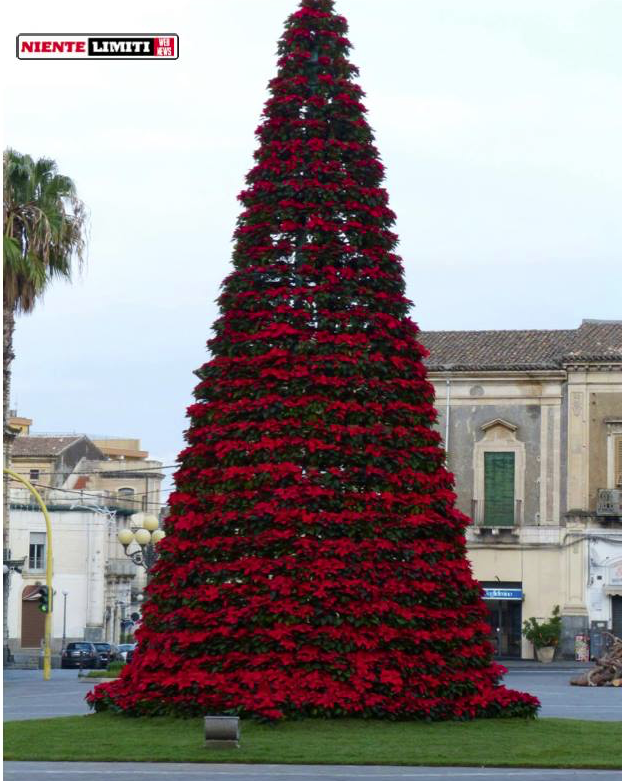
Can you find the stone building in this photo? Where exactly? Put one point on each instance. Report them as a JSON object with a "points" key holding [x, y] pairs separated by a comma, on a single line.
{"points": [[533, 427], [91, 488]]}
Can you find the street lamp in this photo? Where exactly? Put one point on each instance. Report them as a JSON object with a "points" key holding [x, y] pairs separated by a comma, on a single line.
{"points": [[64, 617], [144, 530]]}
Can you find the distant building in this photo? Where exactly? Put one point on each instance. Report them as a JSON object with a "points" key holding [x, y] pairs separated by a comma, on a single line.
{"points": [[533, 423], [91, 488]]}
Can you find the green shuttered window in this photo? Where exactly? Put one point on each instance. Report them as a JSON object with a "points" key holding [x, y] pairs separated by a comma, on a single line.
{"points": [[499, 489]]}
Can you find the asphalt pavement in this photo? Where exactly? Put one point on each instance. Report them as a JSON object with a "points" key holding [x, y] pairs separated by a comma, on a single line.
{"points": [[560, 700], [127, 771], [28, 696]]}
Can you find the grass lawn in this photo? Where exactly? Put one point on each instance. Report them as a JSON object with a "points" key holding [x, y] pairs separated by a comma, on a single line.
{"points": [[502, 742]]}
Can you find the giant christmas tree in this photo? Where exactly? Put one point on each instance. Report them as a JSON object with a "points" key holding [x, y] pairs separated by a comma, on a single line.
{"points": [[315, 563]]}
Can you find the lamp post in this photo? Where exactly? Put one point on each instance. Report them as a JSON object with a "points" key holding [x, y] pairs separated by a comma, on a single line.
{"points": [[47, 651], [122, 620], [144, 530], [64, 617]]}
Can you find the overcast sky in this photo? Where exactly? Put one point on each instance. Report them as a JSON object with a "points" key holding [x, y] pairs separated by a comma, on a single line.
{"points": [[499, 122]]}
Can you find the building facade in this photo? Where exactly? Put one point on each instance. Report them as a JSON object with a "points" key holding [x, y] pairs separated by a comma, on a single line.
{"points": [[92, 488], [533, 428]]}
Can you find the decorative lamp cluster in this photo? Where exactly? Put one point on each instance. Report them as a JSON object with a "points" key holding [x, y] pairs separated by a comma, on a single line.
{"points": [[314, 562], [145, 531]]}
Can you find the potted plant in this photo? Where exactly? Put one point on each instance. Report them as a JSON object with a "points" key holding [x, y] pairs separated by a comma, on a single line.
{"points": [[544, 635]]}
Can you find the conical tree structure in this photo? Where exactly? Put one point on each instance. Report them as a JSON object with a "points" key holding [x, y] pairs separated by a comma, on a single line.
{"points": [[314, 562]]}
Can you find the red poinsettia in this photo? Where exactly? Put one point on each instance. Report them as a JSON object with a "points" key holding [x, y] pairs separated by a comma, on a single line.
{"points": [[315, 563]]}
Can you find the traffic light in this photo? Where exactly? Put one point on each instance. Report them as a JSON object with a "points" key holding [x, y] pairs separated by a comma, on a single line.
{"points": [[45, 601]]}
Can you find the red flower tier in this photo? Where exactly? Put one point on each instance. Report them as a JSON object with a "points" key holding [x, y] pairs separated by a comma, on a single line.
{"points": [[314, 563]]}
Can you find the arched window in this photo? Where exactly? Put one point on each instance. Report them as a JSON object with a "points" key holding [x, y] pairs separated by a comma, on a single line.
{"points": [[126, 495]]}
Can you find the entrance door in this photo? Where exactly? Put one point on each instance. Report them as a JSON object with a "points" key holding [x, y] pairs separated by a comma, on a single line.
{"points": [[616, 616], [33, 620], [504, 618]]}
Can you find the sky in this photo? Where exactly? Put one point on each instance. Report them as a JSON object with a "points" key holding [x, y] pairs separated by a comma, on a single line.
{"points": [[499, 123]]}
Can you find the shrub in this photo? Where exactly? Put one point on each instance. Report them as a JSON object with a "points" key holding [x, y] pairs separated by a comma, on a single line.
{"points": [[545, 633]]}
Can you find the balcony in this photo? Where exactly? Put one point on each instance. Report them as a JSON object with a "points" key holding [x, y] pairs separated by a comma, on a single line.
{"points": [[130, 468], [478, 514], [59, 499], [120, 568], [609, 503]]}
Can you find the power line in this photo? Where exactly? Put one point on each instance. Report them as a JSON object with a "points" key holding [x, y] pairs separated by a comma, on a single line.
{"points": [[115, 472], [84, 494]]}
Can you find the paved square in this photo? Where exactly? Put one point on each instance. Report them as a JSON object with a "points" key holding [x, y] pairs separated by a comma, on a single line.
{"points": [[28, 696]]}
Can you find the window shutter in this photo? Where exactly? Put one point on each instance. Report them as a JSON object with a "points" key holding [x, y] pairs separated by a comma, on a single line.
{"points": [[617, 449], [498, 489]]}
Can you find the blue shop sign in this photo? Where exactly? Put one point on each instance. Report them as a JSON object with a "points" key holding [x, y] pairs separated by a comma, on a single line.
{"points": [[504, 593]]}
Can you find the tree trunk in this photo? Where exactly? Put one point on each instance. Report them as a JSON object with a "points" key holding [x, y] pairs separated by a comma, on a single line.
{"points": [[8, 328]]}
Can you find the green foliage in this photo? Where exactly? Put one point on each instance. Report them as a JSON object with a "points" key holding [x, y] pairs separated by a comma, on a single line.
{"points": [[482, 743], [112, 671], [43, 228], [545, 633]]}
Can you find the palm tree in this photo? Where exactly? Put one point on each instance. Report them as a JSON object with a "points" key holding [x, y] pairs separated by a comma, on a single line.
{"points": [[43, 234]]}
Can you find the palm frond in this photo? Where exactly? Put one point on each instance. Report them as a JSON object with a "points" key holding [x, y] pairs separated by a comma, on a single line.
{"points": [[44, 226]]}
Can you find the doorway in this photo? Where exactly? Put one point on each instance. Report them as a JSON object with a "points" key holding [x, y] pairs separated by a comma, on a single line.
{"points": [[505, 620], [33, 620], [616, 616]]}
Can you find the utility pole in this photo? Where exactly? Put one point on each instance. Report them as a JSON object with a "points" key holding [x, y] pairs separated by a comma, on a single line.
{"points": [[64, 617]]}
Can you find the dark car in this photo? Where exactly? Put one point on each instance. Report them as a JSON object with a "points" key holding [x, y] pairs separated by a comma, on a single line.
{"points": [[80, 655], [107, 653], [130, 654]]}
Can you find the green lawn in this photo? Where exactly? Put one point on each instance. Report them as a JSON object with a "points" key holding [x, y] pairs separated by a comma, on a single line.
{"points": [[509, 742]]}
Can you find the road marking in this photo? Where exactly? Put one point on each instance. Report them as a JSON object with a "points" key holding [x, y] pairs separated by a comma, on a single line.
{"points": [[291, 772], [47, 694]]}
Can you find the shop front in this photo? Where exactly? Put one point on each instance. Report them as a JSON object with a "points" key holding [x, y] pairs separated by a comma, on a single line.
{"points": [[605, 591], [505, 617], [614, 592]]}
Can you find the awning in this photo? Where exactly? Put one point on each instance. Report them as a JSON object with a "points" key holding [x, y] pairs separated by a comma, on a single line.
{"points": [[31, 594], [613, 591]]}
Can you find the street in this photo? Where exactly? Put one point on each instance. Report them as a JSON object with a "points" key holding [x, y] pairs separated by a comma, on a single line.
{"points": [[560, 700], [127, 771], [27, 696]]}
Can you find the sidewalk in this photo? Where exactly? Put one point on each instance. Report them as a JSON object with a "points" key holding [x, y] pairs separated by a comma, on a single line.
{"points": [[516, 665]]}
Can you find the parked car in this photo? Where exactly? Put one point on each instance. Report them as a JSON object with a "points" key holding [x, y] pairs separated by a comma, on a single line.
{"points": [[124, 648], [107, 653], [80, 655], [130, 653]]}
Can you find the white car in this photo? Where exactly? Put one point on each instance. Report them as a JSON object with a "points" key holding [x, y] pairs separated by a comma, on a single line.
{"points": [[124, 648]]}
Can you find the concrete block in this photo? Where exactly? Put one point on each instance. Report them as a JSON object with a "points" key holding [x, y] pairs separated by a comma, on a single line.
{"points": [[222, 731]]}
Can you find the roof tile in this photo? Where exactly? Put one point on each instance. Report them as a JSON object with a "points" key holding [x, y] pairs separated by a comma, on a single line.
{"points": [[594, 340], [41, 446]]}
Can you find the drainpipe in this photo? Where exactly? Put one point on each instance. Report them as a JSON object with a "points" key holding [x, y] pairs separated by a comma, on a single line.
{"points": [[447, 396]]}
